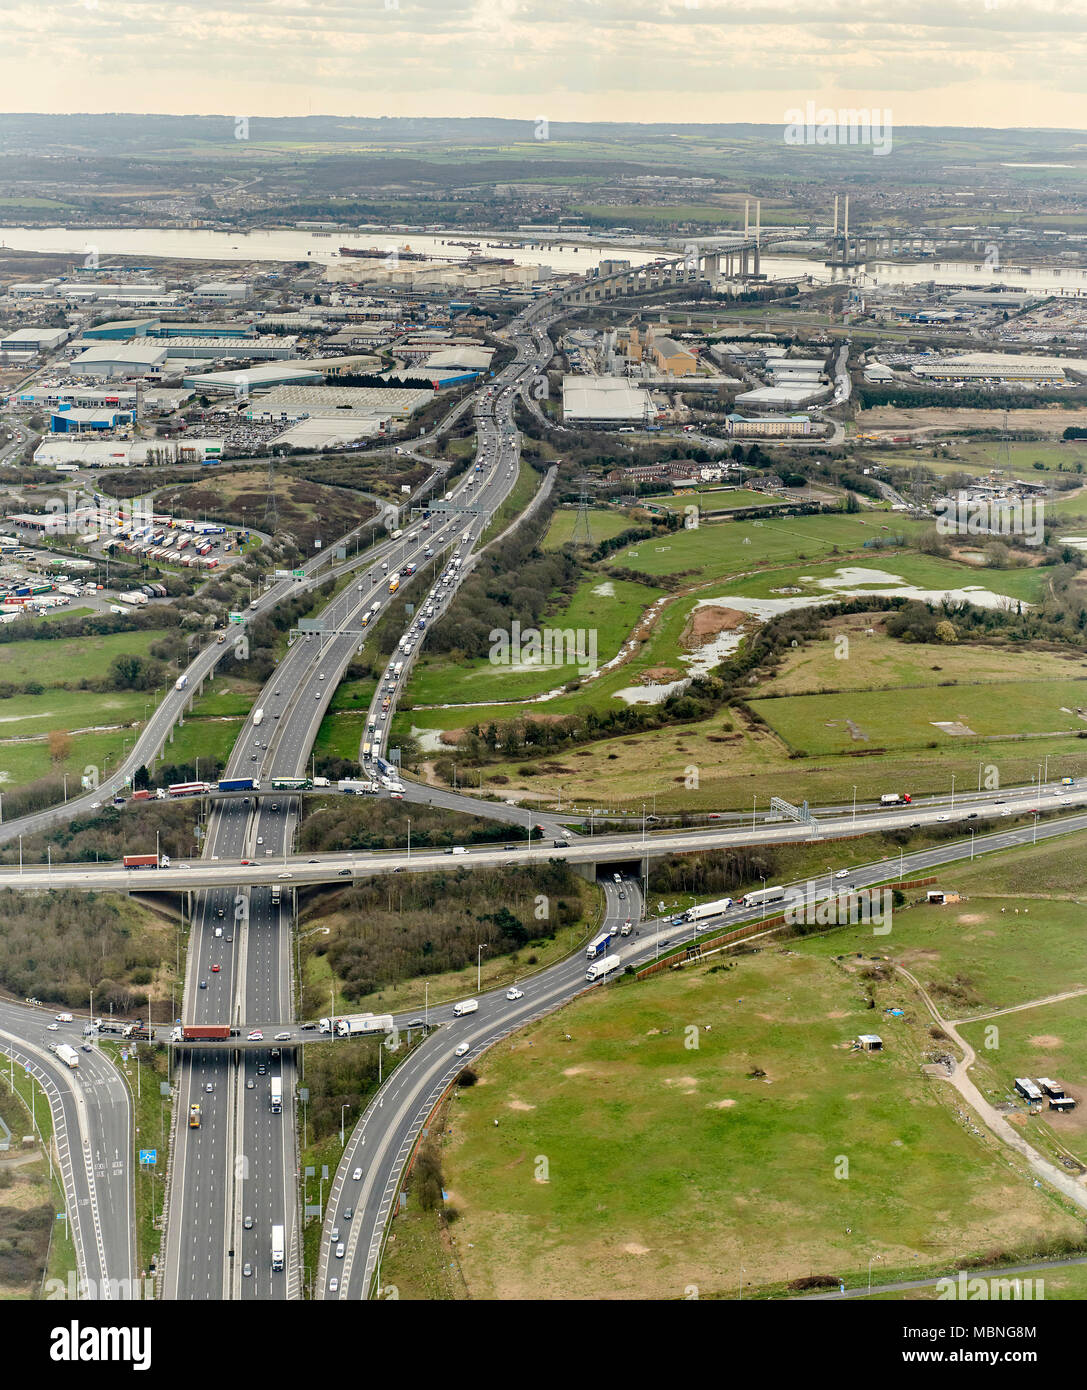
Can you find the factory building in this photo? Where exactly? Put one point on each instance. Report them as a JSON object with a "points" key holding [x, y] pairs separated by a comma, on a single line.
{"points": [[605, 400], [791, 397], [33, 340], [244, 382], [121, 330], [85, 420], [994, 369], [221, 292], [110, 360]]}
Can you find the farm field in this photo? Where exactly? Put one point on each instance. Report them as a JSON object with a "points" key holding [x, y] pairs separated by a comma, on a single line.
{"points": [[878, 662], [710, 499], [977, 456], [607, 608], [768, 1099], [821, 724]]}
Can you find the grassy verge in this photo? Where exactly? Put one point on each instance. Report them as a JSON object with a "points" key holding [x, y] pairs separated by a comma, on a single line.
{"points": [[151, 1130]]}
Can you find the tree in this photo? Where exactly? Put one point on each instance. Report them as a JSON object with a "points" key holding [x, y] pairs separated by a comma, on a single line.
{"points": [[945, 631], [60, 745]]}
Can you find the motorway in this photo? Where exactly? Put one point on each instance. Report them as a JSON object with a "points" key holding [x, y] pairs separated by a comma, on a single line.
{"points": [[383, 1139], [235, 1176], [626, 847], [91, 1100]]}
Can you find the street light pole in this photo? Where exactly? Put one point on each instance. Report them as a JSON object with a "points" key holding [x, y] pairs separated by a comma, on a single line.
{"points": [[854, 806], [409, 839]]}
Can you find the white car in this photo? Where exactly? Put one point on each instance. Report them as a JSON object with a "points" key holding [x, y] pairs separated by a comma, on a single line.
{"points": [[460, 1049], [841, 873], [356, 1176], [53, 1027], [943, 817], [333, 1285], [340, 1250], [515, 993]]}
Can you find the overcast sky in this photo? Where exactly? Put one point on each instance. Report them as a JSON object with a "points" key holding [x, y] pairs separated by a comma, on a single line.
{"points": [[931, 62]]}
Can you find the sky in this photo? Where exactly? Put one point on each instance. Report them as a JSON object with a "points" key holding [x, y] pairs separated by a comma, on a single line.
{"points": [[927, 62]]}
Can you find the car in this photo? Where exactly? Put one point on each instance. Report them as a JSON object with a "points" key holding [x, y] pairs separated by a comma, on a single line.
{"points": [[275, 1050], [515, 993], [220, 912], [255, 758], [348, 1213], [335, 1233], [53, 1027], [340, 1250], [344, 873], [247, 1270], [255, 1036], [285, 875], [260, 839], [317, 695], [216, 968], [356, 1176], [309, 1028], [248, 1223], [262, 1068], [942, 818], [250, 1084], [321, 676], [63, 1018], [460, 1049], [972, 816], [203, 984], [275, 805], [1008, 812], [245, 862], [87, 1047], [333, 1285], [208, 1086], [417, 1023], [1066, 801], [283, 1037], [229, 938]]}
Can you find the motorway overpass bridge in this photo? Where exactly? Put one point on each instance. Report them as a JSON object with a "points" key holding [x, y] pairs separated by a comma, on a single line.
{"points": [[698, 265]]}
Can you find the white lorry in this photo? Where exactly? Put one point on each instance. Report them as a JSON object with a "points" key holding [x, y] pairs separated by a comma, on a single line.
{"points": [[600, 968], [68, 1055], [277, 1248], [258, 718], [466, 1006]]}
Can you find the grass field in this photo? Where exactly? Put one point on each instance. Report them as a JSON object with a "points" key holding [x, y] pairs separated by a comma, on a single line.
{"points": [[1048, 1041], [607, 608], [980, 456], [71, 658], [709, 498], [879, 662], [580, 1191], [603, 525], [822, 724], [722, 549]]}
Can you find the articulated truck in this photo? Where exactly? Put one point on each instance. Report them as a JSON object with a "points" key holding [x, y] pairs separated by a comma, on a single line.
{"points": [[194, 1117], [762, 896], [599, 946], [277, 1095], [703, 910], [895, 799], [68, 1055], [600, 968], [277, 1248], [357, 1025], [203, 1032]]}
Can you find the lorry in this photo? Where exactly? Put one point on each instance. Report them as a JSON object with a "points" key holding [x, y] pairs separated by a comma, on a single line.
{"points": [[600, 968], [357, 1025], [189, 788], [142, 795], [761, 896], [201, 1032], [140, 861], [275, 894], [239, 784], [68, 1055], [277, 1095], [258, 718], [394, 584], [354, 787], [895, 799], [598, 946], [194, 1116], [466, 1006], [702, 910], [277, 1248]]}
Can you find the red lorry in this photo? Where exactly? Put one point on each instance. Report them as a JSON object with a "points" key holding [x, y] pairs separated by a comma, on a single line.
{"points": [[141, 861], [205, 1033]]}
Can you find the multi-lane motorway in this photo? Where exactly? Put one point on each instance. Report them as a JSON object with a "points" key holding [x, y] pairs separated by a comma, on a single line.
{"points": [[235, 1175]]}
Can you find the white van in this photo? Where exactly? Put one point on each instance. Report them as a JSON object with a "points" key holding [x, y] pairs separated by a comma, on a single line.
{"points": [[218, 931]]}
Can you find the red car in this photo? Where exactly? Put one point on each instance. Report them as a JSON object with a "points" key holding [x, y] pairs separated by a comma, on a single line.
{"points": [[215, 969]]}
